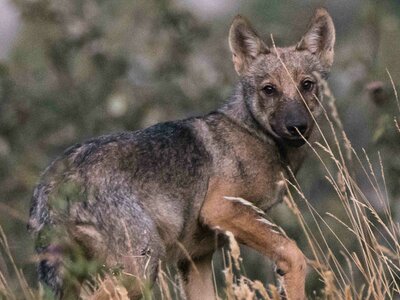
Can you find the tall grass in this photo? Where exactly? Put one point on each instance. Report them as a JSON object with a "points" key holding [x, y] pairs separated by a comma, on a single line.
{"points": [[368, 269], [368, 220]]}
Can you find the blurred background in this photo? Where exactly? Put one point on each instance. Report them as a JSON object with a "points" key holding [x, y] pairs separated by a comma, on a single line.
{"points": [[74, 69]]}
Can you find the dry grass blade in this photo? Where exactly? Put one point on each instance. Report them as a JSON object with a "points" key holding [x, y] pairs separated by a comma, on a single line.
{"points": [[234, 249], [258, 286], [27, 292], [394, 89], [276, 295], [165, 291]]}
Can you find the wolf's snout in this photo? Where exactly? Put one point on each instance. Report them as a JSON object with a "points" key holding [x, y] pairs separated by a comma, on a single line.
{"points": [[296, 121], [291, 123], [296, 126]]}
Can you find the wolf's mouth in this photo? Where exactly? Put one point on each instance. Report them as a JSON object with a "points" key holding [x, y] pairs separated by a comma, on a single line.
{"points": [[291, 141], [294, 142]]}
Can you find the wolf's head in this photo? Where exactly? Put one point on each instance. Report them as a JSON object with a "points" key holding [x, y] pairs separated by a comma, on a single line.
{"points": [[280, 85]]}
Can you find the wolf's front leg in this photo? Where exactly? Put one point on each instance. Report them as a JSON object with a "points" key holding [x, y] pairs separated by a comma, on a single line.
{"points": [[247, 225]]}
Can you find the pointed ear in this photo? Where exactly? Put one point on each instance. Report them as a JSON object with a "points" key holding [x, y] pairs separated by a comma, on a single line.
{"points": [[320, 37], [244, 43]]}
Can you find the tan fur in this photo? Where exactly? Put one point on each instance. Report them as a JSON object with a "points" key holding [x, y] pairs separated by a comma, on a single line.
{"points": [[243, 221], [200, 283]]}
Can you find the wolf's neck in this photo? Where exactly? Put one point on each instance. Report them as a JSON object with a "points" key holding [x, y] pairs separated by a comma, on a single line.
{"points": [[236, 110]]}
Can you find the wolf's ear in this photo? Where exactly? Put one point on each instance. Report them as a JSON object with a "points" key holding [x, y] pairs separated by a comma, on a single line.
{"points": [[320, 37], [244, 43]]}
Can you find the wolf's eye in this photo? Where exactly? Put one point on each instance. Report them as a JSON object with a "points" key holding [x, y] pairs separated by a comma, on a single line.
{"points": [[307, 85], [269, 89]]}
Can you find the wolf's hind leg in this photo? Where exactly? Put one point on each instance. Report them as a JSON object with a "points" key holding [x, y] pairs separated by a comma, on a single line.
{"points": [[128, 248], [133, 280], [196, 277]]}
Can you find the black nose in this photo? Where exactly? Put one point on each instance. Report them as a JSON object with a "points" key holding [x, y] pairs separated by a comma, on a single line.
{"points": [[295, 119], [296, 128]]}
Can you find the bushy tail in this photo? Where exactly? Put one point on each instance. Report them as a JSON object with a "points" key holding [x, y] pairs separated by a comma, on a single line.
{"points": [[50, 254]]}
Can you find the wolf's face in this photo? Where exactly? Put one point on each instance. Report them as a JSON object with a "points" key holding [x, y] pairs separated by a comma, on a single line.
{"points": [[280, 85]]}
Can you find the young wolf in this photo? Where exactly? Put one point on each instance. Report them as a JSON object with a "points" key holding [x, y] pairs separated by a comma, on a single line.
{"points": [[126, 201]]}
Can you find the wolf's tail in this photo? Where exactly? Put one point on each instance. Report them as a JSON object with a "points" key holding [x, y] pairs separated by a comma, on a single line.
{"points": [[50, 254], [39, 215]]}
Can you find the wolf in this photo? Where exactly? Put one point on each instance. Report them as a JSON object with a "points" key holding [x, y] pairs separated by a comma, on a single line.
{"points": [[124, 202]]}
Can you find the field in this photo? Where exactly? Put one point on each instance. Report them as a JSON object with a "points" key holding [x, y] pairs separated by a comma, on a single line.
{"points": [[99, 67]]}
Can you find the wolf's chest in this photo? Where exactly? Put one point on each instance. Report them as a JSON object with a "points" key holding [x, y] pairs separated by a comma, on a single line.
{"points": [[258, 178]]}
